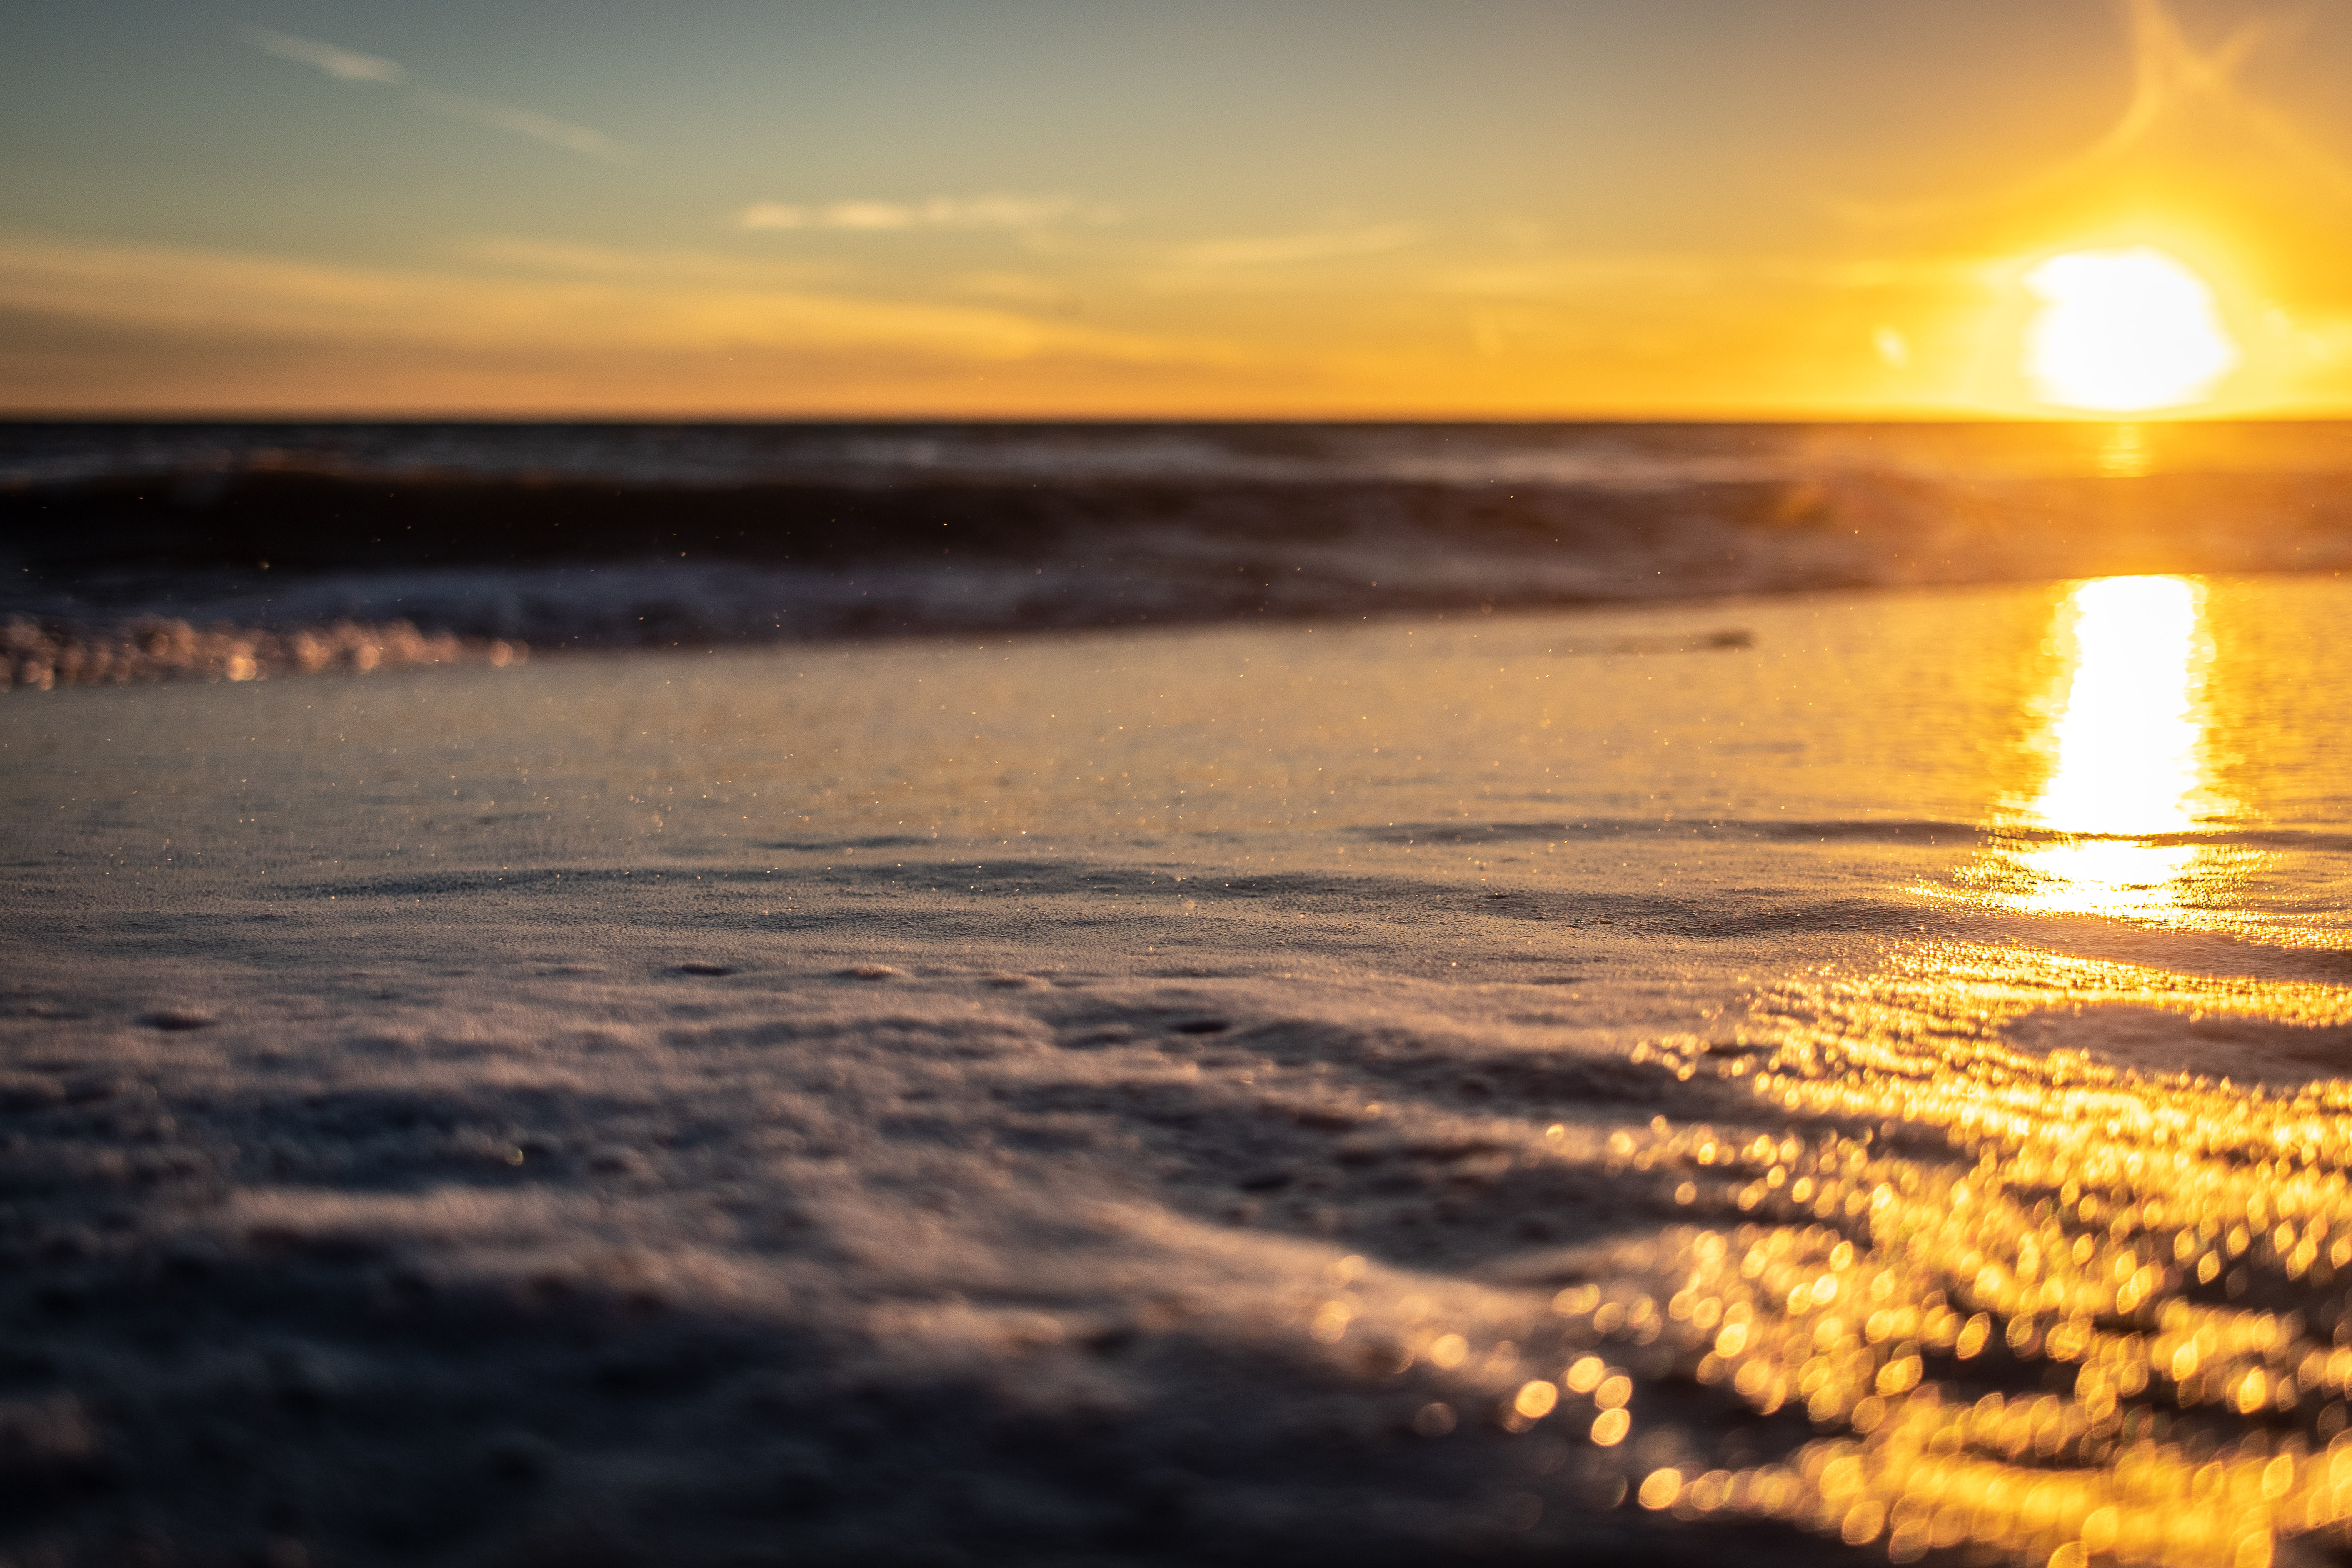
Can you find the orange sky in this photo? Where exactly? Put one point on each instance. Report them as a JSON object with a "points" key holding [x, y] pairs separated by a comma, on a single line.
{"points": [[1792, 207]]}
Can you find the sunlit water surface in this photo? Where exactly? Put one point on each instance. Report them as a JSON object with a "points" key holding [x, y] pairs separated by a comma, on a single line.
{"points": [[2044, 1280]]}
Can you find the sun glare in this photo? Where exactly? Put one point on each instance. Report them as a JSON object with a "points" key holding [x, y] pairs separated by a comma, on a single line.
{"points": [[2127, 737], [2124, 330], [2128, 781]]}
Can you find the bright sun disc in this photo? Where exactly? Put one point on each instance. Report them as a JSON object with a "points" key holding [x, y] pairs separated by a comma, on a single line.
{"points": [[2122, 331]]}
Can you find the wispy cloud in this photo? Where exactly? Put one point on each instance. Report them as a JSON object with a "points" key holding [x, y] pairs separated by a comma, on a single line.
{"points": [[573, 302], [1284, 249], [549, 259], [348, 65], [878, 216], [1657, 273], [527, 123], [344, 65], [1305, 262]]}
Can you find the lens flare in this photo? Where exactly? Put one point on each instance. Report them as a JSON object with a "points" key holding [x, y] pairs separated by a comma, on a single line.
{"points": [[2124, 330]]}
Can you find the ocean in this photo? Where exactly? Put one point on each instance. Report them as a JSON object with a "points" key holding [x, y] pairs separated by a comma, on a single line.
{"points": [[638, 535], [1771, 994]]}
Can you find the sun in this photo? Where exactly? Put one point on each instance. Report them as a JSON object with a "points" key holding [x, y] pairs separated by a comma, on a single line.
{"points": [[2124, 330]]}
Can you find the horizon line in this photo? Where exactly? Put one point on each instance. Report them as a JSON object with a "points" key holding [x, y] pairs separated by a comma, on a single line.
{"points": [[2322, 416]]}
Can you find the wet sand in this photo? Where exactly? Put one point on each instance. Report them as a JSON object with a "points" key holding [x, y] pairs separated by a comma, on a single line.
{"points": [[1430, 1092]]}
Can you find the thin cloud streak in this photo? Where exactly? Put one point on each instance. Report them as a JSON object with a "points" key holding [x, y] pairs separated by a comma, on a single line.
{"points": [[875, 217], [231, 295], [343, 65], [348, 65], [546, 258], [1267, 264], [526, 122], [1279, 250], [1691, 273]]}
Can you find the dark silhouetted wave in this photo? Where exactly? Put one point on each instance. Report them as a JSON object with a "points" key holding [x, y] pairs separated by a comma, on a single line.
{"points": [[662, 534]]}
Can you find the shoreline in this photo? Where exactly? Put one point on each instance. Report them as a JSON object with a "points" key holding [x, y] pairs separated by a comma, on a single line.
{"points": [[153, 646]]}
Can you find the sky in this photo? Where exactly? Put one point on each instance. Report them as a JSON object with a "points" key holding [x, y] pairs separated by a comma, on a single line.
{"points": [[1040, 208]]}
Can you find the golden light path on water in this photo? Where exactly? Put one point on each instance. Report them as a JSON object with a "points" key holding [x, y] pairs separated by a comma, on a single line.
{"points": [[2126, 753], [2034, 1308]]}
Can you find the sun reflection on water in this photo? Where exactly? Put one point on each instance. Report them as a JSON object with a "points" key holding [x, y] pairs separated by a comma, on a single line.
{"points": [[2126, 738], [2035, 1309], [2127, 767], [2022, 1307], [2124, 455]]}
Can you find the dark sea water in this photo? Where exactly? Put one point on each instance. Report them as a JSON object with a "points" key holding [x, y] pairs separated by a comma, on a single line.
{"points": [[670, 534]]}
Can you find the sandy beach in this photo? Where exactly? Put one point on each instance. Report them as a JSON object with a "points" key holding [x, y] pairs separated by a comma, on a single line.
{"points": [[1296, 1095]]}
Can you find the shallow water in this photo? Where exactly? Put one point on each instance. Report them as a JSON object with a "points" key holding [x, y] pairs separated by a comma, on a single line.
{"points": [[1980, 951]]}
